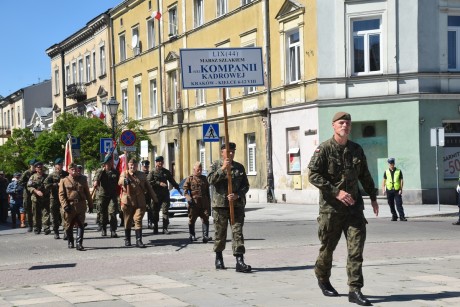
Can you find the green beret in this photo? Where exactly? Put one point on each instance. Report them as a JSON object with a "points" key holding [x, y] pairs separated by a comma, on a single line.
{"points": [[341, 115], [58, 161], [32, 161]]}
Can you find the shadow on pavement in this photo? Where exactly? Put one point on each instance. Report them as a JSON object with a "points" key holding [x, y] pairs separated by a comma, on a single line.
{"points": [[284, 268], [413, 297]]}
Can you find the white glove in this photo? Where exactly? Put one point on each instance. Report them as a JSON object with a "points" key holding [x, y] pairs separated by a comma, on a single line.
{"points": [[458, 188]]}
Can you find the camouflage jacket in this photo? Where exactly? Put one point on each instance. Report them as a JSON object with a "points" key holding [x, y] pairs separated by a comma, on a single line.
{"points": [[197, 188], [218, 179], [108, 181], [52, 183], [156, 177], [335, 167], [24, 179], [37, 182]]}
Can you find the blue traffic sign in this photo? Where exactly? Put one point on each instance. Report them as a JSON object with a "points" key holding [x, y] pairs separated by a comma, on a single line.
{"points": [[105, 145], [75, 143], [210, 132], [128, 137]]}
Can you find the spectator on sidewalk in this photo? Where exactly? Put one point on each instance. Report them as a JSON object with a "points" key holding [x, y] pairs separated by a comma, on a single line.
{"points": [[15, 191], [336, 167], [392, 187]]}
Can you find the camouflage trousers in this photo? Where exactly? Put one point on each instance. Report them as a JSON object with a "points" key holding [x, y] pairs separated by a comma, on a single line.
{"points": [[27, 205], [221, 220], [108, 210], [41, 214], [331, 226], [55, 210]]}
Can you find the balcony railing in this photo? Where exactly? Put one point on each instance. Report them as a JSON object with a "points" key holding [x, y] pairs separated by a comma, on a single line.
{"points": [[76, 91]]}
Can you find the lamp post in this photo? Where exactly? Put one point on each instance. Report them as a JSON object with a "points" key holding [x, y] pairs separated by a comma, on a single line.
{"points": [[112, 105]]}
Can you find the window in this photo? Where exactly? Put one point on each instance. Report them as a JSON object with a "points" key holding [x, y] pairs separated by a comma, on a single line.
{"points": [[9, 123], [453, 40], [102, 60], [12, 117], [198, 10], [67, 75], [366, 46], [202, 153], [19, 116], [151, 33], [122, 48], [172, 90], [244, 2], [200, 97], [135, 41], [74, 72], [56, 82], [124, 104], [293, 152], [80, 71], [250, 89], [293, 57], [251, 153], [94, 65], [138, 93], [222, 7], [88, 68], [153, 97], [173, 21]]}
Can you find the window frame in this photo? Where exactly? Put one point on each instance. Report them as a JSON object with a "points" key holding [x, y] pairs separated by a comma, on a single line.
{"points": [[201, 146], [57, 86], [137, 49], [122, 47], [293, 150], [251, 150], [102, 62], [80, 71], [172, 25], [138, 100], [221, 7], [151, 33], [293, 77], [124, 103], [88, 67], [366, 34], [198, 13], [153, 97]]}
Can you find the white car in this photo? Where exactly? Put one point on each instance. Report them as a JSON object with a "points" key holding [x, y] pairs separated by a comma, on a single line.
{"points": [[178, 203]]}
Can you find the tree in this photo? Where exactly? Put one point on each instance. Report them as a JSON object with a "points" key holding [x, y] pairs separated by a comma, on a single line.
{"points": [[17, 151]]}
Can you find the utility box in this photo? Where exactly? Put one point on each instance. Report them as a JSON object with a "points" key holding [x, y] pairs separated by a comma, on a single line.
{"points": [[297, 179]]}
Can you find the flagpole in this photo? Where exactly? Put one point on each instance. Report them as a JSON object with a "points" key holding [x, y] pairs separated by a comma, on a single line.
{"points": [[227, 149]]}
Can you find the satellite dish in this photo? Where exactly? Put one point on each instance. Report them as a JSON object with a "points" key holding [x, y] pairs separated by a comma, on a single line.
{"points": [[134, 41]]}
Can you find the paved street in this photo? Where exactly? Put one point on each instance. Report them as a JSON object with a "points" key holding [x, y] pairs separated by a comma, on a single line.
{"points": [[414, 263]]}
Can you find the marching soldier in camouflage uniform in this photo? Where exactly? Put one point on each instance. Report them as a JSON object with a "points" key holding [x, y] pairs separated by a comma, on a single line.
{"points": [[134, 186], [145, 169], [196, 191], [40, 199], [106, 181], [158, 179], [221, 210], [27, 203], [52, 184], [335, 169], [73, 195]]}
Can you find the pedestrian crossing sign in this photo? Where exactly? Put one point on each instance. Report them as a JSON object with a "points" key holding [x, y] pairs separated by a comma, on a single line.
{"points": [[210, 132]]}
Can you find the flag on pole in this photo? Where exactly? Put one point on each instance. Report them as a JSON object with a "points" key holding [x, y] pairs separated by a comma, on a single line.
{"points": [[156, 15], [121, 163], [67, 155], [95, 111]]}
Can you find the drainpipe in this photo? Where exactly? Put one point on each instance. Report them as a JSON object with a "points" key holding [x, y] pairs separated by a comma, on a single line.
{"points": [[64, 102], [160, 65], [268, 128], [113, 86]]}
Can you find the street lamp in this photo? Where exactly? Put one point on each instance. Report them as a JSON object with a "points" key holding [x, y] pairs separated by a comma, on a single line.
{"points": [[112, 105]]}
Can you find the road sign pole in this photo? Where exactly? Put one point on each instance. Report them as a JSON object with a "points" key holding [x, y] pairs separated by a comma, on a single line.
{"points": [[227, 149]]}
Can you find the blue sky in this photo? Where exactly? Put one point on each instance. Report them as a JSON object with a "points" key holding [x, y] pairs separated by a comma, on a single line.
{"points": [[29, 27]]}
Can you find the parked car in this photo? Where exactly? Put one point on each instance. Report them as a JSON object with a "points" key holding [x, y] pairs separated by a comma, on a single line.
{"points": [[178, 202]]}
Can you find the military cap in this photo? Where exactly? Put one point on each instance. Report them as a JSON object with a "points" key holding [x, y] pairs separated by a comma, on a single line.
{"points": [[231, 145], [79, 166], [58, 161], [32, 161], [107, 159], [72, 166], [341, 115], [145, 162], [17, 174], [391, 160], [159, 159], [38, 163], [132, 160]]}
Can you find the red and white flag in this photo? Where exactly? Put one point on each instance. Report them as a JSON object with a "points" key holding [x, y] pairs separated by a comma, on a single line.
{"points": [[95, 112], [156, 15], [67, 155], [121, 163]]}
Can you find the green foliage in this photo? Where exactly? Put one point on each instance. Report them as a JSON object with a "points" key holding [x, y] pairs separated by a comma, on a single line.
{"points": [[17, 151]]}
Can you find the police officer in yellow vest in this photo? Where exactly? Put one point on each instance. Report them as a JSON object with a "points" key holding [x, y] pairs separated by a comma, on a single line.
{"points": [[393, 186]]}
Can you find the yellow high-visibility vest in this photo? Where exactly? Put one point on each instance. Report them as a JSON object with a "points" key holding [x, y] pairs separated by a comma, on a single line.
{"points": [[393, 183]]}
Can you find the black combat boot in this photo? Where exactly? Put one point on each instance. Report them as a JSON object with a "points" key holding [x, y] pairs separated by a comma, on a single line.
{"points": [[139, 239], [128, 237], [113, 229], [104, 230], [56, 233], [191, 230], [70, 240], [241, 266], [358, 298], [220, 261], [80, 234], [29, 229], [149, 220], [155, 228], [206, 237], [165, 226]]}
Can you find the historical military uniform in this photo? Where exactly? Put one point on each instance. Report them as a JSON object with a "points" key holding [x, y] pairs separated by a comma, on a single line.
{"points": [[196, 191], [336, 167], [40, 204], [155, 178], [52, 184], [73, 195], [27, 203], [108, 199], [134, 185], [221, 209]]}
